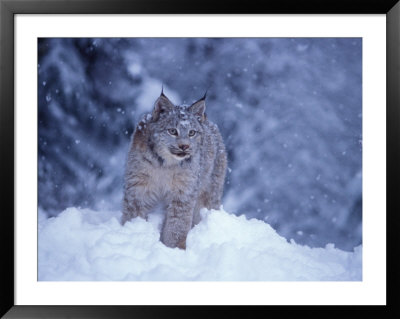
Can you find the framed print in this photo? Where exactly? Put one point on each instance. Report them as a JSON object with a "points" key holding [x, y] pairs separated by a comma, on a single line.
{"points": [[174, 154]]}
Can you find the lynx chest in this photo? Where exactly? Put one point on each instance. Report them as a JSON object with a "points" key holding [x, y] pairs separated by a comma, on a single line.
{"points": [[165, 181]]}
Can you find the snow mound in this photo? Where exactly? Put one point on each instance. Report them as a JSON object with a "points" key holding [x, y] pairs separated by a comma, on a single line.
{"points": [[81, 244]]}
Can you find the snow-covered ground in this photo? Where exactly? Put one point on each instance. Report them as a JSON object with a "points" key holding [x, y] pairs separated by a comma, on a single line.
{"points": [[82, 244]]}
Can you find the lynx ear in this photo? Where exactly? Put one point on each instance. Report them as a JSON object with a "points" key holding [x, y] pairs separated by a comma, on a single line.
{"points": [[162, 104], [198, 108]]}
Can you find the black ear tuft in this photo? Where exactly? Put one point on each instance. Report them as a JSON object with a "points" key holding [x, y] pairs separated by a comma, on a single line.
{"points": [[204, 96], [162, 90]]}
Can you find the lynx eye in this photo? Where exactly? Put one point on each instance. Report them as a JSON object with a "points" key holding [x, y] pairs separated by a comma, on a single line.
{"points": [[173, 131], [192, 133]]}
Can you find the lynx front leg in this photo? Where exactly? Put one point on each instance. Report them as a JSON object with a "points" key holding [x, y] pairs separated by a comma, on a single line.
{"points": [[133, 205], [196, 213], [177, 224]]}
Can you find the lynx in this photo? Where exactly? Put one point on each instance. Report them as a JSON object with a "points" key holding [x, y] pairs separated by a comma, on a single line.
{"points": [[177, 159]]}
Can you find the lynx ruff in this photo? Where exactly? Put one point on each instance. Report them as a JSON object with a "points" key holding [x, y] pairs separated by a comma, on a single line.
{"points": [[177, 159]]}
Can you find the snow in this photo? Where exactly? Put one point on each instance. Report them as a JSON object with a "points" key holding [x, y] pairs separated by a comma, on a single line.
{"points": [[88, 245]]}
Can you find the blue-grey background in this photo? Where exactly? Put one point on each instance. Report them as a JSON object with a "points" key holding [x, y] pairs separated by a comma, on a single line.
{"points": [[289, 110]]}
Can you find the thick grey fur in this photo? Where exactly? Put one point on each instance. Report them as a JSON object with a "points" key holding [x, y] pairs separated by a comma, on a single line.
{"points": [[183, 173]]}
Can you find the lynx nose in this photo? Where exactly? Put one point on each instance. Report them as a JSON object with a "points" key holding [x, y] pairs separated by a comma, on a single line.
{"points": [[183, 147]]}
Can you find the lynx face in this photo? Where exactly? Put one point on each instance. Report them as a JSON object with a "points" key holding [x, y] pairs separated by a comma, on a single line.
{"points": [[176, 133]]}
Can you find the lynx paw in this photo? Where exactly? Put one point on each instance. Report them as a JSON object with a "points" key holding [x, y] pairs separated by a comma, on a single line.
{"points": [[182, 244]]}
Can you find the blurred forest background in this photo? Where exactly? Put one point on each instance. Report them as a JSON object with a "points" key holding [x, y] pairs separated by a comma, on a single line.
{"points": [[289, 110]]}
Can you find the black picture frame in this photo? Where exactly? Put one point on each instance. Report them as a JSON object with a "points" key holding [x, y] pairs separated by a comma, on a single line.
{"points": [[9, 8]]}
